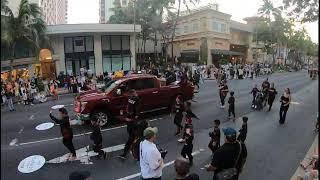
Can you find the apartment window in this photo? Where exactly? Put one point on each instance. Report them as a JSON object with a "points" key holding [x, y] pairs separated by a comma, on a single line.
{"points": [[195, 26], [223, 28], [215, 26], [185, 29]]}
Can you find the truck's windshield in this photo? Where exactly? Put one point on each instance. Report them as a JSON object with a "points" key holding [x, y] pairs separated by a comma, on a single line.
{"points": [[110, 86]]}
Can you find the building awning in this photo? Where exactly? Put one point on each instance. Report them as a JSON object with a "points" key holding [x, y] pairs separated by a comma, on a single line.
{"points": [[190, 51], [226, 52]]}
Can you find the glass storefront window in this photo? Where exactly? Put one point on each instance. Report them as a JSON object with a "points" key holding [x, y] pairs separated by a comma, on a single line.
{"points": [[116, 42], [125, 43], [68, 45], [116, 62], [91, 64], [78, 44], [126, 63], [89, 43], [106, 63], [105, 43]]}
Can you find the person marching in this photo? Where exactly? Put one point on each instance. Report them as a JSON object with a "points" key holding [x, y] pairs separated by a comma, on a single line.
{"points": [[223, 91], [285, 102], [243, 131], [178, 108], [133, 110], [254, 92], [188, 146], [66, 131], [231, 102], [265, 90], [96, 137], [271, 95], [188, 120], [214, 143]]}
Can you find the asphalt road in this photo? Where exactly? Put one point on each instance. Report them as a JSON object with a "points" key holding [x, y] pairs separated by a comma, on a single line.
{"points": [[274, 152]]}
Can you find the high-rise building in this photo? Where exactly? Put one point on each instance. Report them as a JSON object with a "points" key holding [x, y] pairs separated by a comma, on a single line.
{"points": [[55, 11], [105, 8]]}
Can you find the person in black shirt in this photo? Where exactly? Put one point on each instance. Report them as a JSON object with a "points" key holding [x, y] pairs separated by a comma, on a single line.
{"points": [[243, 131], [285, 102], [223, 91], [182, 168], [265, 90], [214, 143], [96, 137], [178, 108], [254, 92], [133, 110], [226, 156], [231, 102], [66, 131], [271, 95], [188, 146]]}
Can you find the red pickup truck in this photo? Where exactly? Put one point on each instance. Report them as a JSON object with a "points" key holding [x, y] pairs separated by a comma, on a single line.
{"points": [[109, 105]]}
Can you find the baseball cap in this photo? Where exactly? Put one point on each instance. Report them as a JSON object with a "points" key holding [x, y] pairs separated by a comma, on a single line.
{"points": [[230, 133], [150, 131], [79, 175]]}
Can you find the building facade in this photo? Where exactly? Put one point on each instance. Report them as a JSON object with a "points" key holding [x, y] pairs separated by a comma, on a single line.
{"points": [[54, 11], [209, 29], [96, 47], [105, 8]]}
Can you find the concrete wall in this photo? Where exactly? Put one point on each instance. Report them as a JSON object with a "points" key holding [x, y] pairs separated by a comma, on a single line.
{"points": [[97, 54], [57, 43]]}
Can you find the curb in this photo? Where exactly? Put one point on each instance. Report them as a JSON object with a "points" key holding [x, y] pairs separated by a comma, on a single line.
{"points": [[300, 170]]}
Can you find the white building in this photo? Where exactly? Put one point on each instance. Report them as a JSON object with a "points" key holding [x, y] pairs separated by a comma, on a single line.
{"points": [[105, 8], [96, 47]]}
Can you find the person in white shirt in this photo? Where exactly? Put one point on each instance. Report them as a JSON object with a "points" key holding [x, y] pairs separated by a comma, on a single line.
{"points": [[151, 162]]}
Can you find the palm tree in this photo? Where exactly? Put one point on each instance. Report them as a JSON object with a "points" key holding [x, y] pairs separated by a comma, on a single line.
{"points": [[27, 28]]}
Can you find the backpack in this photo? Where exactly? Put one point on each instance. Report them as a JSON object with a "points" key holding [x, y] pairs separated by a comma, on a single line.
{"points": [[230, 173]]}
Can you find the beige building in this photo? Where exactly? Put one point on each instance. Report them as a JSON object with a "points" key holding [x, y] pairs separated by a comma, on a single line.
{"points": [[225, 39]]}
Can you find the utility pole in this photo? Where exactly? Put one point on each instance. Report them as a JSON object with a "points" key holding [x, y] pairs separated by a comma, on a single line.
{"points": [[134, 32]]}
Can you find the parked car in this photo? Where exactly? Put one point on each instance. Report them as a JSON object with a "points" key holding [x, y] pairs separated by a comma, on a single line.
{"points": [[108, 106]]}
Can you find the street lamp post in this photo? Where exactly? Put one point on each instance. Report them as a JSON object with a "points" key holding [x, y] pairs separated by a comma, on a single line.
{"points": [[134, 31]]}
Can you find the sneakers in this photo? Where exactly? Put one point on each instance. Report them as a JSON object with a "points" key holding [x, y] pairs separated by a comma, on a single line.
{"points": [[222, 107], [122, 156], [104, 155]]}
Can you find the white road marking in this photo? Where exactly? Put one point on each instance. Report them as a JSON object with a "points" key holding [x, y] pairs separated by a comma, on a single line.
{"points": [[165, 165], [84, 156], [294, 103], [31, 117], [78, 135], [13, 142], [21, 130]]}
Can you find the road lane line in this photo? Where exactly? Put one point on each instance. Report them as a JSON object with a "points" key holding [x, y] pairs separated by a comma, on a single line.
{"points": [[13, 142], [165, 165], [78, 135], [31, 117], [21, 130], [84, 156]]}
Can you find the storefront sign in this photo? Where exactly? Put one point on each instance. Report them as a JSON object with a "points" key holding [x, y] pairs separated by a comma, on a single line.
{"points": [[44, 126], [31, 164]]}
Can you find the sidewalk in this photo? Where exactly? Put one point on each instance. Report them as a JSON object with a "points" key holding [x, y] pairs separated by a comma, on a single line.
{"points": [[310, 153]]}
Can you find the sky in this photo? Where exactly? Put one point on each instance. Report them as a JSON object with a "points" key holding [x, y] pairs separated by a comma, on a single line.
{"points": [[87, 11]]}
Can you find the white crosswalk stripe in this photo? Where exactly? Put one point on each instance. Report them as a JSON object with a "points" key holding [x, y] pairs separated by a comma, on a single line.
{"points": [[84, 156]]}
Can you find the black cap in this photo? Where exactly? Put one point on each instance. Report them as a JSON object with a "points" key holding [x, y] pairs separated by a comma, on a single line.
{"points": [[79, 175], [63, 110]]}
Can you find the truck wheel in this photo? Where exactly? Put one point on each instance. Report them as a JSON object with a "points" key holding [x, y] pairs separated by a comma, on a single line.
{"points": [[102, 117]]}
